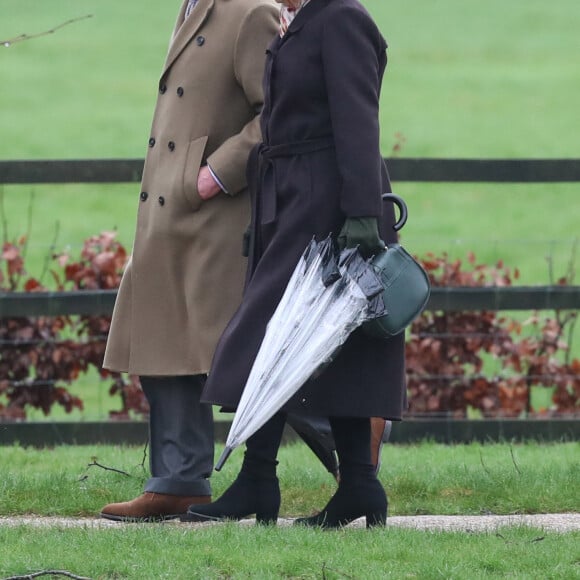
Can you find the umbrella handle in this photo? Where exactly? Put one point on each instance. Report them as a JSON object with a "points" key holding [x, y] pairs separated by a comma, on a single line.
{"points": [[400, 203], [223, 458]]}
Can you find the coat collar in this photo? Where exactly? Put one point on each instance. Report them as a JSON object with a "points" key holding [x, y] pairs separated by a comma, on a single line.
{"points": [[307, 13], [184, 31]]}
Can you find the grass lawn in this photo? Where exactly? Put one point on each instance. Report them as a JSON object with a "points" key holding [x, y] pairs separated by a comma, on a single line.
{"points": [[420, 479], [493, 80], [231, 551], [522, 225]]}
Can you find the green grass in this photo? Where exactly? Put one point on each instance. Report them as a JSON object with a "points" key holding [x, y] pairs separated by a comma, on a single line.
{"points": [[488, 79], [420, 479], [522, 225], [492, 79], [231, 551]]}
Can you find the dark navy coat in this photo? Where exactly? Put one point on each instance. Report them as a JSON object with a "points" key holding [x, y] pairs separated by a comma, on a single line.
{"points": [[319, 163]]}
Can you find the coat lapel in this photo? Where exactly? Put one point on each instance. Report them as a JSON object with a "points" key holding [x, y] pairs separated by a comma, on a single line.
{"points": [[307, 13], [184, 31]]}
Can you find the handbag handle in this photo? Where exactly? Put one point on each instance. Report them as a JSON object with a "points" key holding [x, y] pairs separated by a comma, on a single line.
{"points": [[400, 203]]}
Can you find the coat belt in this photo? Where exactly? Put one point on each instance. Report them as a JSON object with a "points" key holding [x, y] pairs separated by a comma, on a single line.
{"points": [[295, 148], [264, 207], [264, 156]]}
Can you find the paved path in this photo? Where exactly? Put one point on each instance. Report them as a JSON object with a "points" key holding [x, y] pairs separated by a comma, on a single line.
{"points": [[548, 522]]}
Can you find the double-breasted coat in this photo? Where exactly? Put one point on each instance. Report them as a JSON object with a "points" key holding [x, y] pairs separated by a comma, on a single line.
{"points": [[186, 274], [319, 163]]}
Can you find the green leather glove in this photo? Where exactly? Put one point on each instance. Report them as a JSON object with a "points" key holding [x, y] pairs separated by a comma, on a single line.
{"points": [[362, 232]]}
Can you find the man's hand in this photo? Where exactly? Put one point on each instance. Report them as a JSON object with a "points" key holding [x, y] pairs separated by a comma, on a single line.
{"points": [[207, 186]]}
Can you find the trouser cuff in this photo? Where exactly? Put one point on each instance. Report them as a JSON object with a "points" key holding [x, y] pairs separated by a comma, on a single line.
{"points": [[173, 487]]}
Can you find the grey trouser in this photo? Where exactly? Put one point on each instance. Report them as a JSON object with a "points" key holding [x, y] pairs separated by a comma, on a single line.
{"points": [[181, 438]]}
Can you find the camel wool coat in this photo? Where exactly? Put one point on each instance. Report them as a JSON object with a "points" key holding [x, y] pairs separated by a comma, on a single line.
{"points": [[185, 278]]}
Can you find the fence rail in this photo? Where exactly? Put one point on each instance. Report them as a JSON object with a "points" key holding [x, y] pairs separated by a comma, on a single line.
{"points": [[441, 430], [401, 169], [100, 302]]}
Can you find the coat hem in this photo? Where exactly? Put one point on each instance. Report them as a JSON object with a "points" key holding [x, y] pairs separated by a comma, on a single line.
{"points": [[155, 373], [229, 408]]}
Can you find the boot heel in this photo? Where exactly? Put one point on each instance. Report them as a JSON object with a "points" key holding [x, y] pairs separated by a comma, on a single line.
{"points": [[376, 519], [267, 517]]}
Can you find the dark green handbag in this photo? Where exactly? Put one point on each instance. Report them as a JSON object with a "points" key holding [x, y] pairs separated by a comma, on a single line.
{"points": [[406, 284]]}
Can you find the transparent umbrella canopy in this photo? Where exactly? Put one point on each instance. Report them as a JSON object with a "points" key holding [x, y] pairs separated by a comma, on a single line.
{"points": [[327, 297]]}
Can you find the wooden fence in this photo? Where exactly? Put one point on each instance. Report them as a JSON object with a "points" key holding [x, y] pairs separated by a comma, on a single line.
{"points": [[401, 169], [447, 299]]}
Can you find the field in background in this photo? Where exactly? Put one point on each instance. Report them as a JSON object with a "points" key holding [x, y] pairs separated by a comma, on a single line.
{"points": [[490, 80], [493, 79], [520, 224]]}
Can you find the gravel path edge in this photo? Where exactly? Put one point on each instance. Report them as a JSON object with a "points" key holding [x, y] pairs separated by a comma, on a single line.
{"points": [[568, 522]]}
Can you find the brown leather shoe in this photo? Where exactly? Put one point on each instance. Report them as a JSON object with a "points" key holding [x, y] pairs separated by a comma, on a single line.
{"points": [[152, 507], [378, 427]]}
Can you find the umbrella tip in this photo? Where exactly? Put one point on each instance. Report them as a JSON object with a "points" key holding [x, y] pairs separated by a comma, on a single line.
{"points": [[223, 458]]}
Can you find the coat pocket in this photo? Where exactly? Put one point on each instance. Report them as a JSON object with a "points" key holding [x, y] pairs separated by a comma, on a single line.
{"points": [[193, 160]]}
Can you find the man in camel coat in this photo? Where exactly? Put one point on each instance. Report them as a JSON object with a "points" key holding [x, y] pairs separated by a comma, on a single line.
{"points": [[185, 278]]}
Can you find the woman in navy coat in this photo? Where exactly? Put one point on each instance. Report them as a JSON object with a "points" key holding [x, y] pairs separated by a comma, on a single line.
{"points": [[318, 171]]}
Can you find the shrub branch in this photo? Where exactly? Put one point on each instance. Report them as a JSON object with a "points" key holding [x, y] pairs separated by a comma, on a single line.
{"points": [[47, 573], [22, 37]]}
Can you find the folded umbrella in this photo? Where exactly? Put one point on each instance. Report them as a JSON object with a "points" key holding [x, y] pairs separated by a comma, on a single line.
{"points": [[317, 434], [326, 299]]}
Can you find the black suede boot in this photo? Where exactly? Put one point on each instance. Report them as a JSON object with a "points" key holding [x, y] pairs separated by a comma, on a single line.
{"points": [[359, 492], [256, 489], [246, 496], [352, 500]]}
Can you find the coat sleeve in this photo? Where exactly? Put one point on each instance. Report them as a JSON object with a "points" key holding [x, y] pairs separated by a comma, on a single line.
{"points": [[353, 55], [255, 34]]}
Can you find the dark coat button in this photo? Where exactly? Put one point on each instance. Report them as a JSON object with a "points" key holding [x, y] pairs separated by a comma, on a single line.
{"points": [[180, 91], [171, 146], [152, 142], [144, 195], [200, 40], [161, 200], [162, 89]]}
